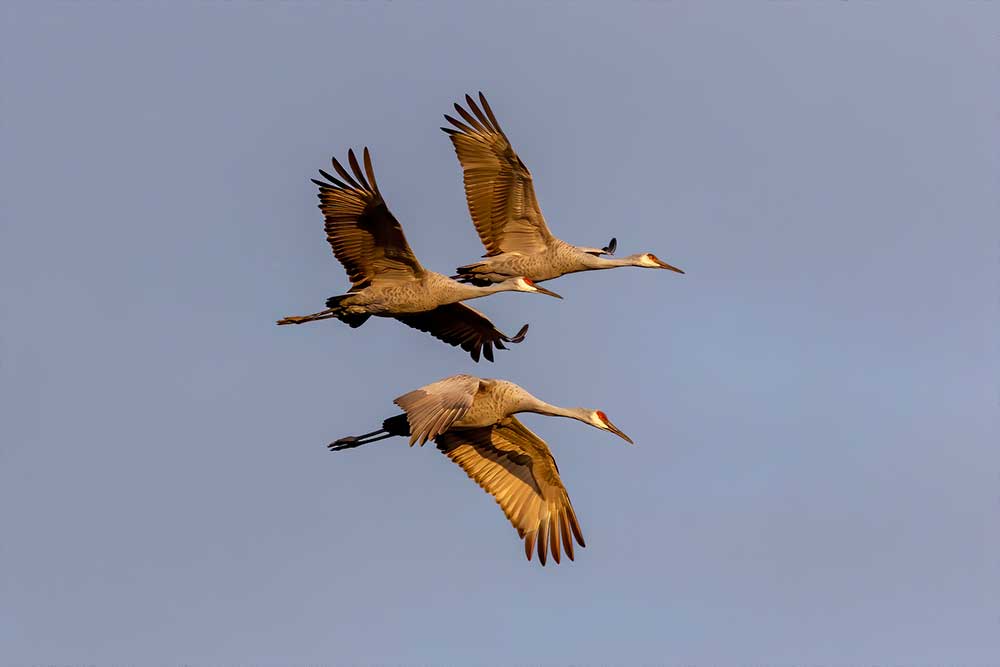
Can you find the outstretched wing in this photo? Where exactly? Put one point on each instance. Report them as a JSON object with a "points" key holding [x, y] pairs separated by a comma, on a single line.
{"points": [[432, 409], [458, 324], [498, 187], [515, 466], [365, 236]]}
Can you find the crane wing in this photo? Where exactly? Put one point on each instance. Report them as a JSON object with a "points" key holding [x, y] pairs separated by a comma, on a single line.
{"points": [[363, 233], [458, 324], [498, 187], [432, 409], [515, 466]]}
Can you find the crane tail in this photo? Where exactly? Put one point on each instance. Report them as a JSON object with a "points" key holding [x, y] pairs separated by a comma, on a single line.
{"points": [[477, 273], [471, 279], [519, 336]]}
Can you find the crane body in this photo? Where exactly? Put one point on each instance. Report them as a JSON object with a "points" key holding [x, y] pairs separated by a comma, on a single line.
{"points": [[388, 281], [500, 193], [557, 259], [472, 420]]}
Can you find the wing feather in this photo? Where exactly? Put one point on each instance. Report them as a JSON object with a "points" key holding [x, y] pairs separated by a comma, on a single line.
{"points": [[515, 466], [433, 408], [366, 238], [463, 326], [498, 186]]}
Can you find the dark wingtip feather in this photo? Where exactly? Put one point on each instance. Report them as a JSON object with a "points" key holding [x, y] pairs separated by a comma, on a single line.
{"points": [[370, 170], [543, 543], [490, 114], [339, 168], [459, 124], [476, 110], [333, 180], [554, 542], [356, 167], [475, 121], [567, 537]]}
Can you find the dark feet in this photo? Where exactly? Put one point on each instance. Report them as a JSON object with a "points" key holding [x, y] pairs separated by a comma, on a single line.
{"points": [[344, 443]]}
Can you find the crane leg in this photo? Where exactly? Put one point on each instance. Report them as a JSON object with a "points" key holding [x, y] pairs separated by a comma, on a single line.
{"points": [[299, 319], [392, 426], [352, 441]]}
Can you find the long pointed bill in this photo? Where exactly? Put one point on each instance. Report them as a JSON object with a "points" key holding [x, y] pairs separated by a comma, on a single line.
{"points": [[614, 429], [542, 290], [664, 265]]}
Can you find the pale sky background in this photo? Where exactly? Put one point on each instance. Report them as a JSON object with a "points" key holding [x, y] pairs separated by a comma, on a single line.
{"points": [[815, 404]]}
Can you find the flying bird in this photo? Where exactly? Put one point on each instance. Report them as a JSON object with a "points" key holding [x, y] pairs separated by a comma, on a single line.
{"points": [[472, 421], [506, 214], [388, 281]]}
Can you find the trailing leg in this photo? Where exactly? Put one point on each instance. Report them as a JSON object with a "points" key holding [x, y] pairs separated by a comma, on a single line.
{"points": [[392, 426], [300, 319], [334, 308]]}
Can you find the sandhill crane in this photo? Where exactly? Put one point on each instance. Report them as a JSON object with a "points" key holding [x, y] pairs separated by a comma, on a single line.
{"points": [[502, 203], [388, 281], [472, 421]]}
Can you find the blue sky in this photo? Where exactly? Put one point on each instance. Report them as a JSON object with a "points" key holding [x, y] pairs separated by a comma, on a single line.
{"points": [[815, 404]]}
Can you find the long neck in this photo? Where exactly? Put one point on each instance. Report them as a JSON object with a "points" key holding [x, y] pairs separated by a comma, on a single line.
{"points": [[463, 292], [541, 407], [594, 262]]}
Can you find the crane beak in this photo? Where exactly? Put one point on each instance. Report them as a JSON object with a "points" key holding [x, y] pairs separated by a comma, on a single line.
{"points": [[664, 265], [542, 290], [614, 429]]}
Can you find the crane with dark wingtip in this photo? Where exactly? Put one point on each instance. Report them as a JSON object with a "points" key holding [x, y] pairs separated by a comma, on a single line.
{"points": [[472, 421], [388, 281], [501, 198]]}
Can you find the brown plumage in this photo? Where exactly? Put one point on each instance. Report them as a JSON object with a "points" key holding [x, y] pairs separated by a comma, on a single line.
{"points": [[514, 465], [498, 186], [504, 209], [365, 236], [386, 278], [472, 421]]}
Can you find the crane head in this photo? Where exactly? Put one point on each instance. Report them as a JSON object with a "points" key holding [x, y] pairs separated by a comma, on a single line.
{"points": [[651, 261], [523, 284], [601, 421]]}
